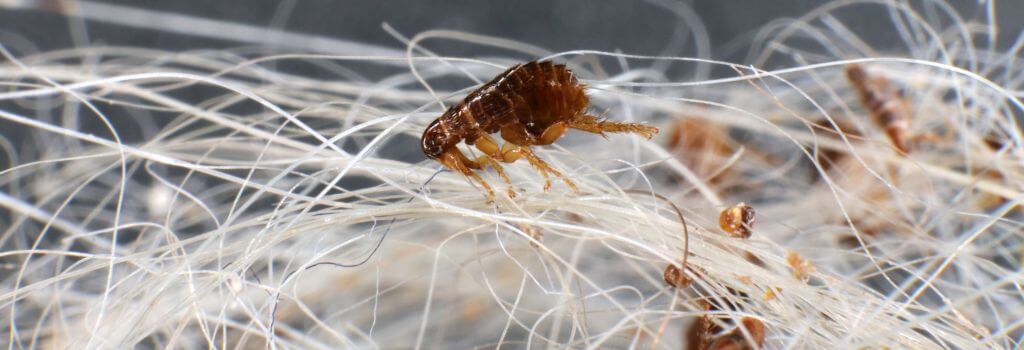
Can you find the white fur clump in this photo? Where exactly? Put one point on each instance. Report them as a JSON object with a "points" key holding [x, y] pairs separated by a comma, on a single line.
{"points": [[218, 199]]}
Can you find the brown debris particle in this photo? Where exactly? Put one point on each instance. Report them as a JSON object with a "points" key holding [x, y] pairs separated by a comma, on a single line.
{"points": [[675, 277], [745, 279], [801, 268], [737, 220], [533, 232]]}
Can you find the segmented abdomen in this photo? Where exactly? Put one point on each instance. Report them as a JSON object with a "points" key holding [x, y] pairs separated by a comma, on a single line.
{"points": [[535, 94], [884, 102]]}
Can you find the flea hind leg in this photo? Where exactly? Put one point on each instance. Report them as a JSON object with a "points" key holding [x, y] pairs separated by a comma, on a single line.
{"points": [[589, 123], [543, 167], [455, 160], [488, 161], [552, 133], [518, 146]]}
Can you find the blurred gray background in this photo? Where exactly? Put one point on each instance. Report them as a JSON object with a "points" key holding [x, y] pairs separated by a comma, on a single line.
{"points": [[635, 27], [650, 27]]}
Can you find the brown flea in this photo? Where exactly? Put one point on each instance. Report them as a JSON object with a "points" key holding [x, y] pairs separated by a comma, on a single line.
{"points": [[737, 220], [702, 146], [675, 277], [737, 340], [533, 232], [801, 268], [755, 328], [698, 336], [729, 341], [888, 109], [829, 158], [529, 105]]}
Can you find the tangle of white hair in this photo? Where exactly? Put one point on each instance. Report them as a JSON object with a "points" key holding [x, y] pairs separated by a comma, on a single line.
{"points": [[211, 199]]}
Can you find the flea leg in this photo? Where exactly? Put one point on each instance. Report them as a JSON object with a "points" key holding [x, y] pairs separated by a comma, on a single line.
{"points": [[516, 133], [466, 161], [455, 160], [518, 146], [487, 160], [486, 144], [510, 152], [493, 154], [552, 133], [544, 168], [591, 124]]}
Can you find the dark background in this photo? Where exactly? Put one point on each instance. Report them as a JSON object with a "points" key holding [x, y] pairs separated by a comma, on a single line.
{"points": [[635, 27], [649, 27]]}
